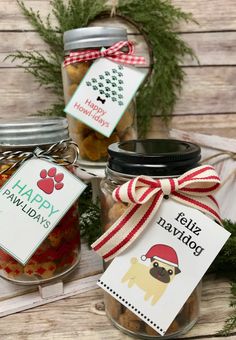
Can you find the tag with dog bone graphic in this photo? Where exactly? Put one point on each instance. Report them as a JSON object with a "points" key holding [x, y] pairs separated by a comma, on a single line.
{"points": [[158, 272], [104, 94]]}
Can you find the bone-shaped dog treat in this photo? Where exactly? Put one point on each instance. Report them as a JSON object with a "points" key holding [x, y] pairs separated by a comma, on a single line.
{"points": [[101, 100]]}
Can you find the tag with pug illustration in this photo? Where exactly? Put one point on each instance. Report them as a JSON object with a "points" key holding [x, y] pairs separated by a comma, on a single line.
{"points": [[104, 94], [158, 272]]}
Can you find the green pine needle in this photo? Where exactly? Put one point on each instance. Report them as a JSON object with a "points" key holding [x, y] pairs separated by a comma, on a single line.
{"points": [[90, 221]]}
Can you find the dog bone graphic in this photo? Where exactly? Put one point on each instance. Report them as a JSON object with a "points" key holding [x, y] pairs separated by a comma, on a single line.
{"points": [[101, 100]]}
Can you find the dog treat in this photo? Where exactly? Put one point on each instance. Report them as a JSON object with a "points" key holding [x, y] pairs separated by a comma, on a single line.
{"points": [[114, 308], [57, 254], [12, 268], [130, 321], [190, 309], [174, 328], [150, 331], [76, 72], [72, 89], [116, 211], [91, 148], [125, 122]]}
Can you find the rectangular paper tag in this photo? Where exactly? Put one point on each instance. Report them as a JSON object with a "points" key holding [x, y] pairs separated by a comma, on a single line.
{"points": [[104, 94], [157, 273], [33, 201]]}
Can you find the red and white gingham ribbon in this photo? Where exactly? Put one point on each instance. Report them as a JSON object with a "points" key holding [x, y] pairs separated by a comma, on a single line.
{"points": [[113, 53], [144, 194]]}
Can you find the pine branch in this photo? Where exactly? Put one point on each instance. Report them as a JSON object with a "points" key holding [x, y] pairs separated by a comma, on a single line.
{"points": [[77, 13], [227, 256], [45, 30], [230, 323], [90, 219], [227, 260], [56, 109], [169, 51], [46, 71]]}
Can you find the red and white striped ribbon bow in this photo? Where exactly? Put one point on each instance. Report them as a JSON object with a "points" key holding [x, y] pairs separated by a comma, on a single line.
{"points": [[113, 53], [144, 194]]}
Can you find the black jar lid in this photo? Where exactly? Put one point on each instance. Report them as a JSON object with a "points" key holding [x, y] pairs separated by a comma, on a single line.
{"points": [[153, 157]]}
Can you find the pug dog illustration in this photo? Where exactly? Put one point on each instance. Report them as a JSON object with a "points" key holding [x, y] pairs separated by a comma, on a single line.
{"points": [[155, 278]]}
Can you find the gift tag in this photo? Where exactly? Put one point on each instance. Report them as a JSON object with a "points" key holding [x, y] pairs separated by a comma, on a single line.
{"points": [[104, 94], [33, 201], [157, 273]]}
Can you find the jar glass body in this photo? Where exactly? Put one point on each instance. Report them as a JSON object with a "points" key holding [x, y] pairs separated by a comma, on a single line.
{"points": [[157, 159], [93, 145], [121, 316], [58, 254]]}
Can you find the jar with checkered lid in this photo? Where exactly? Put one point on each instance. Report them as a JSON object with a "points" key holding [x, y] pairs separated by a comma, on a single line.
{"points": [[107, 86]]}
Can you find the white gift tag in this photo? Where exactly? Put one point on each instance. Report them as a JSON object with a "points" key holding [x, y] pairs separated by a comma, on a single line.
{"points": [[157, 273], [33, 201], [104, 94]]}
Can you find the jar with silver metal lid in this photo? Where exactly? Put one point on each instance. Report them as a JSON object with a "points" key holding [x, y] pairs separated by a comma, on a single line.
{"points": [[59, 253], [93, 145]]}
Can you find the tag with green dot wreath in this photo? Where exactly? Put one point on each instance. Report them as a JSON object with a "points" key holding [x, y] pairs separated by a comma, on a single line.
{"points": [[108, 87]]}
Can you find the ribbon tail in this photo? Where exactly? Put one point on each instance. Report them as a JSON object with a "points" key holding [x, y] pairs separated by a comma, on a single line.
{"points": [[206, 204], [127, 228]]}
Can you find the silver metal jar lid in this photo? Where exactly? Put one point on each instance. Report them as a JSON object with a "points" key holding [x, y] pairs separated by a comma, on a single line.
{"points": [[93, 37], [33, 131]]}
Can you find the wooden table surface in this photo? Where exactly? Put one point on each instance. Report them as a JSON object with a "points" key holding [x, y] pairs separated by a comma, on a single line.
{"points": [[83, 317]]}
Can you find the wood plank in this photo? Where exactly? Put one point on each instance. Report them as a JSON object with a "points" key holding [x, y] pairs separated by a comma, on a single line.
{"points": [[211, 141], [220, 124], [206, 90], [211, 48], [83, 317], [32, 300], [213, 15], [217, 48], [89, 265], [212, 151], [22, 95]]}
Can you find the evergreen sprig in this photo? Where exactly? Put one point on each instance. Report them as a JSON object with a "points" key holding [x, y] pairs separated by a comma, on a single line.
{"points": [[156, 19], [90, 221], [227, 260]]}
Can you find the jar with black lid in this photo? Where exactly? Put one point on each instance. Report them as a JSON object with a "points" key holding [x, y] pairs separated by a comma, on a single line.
{"points": [[59, 253], [92, 144], [157, 158]]}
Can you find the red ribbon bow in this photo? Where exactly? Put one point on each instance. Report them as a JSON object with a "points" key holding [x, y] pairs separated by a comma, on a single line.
{"points": [[144, 195], [113, 53]]}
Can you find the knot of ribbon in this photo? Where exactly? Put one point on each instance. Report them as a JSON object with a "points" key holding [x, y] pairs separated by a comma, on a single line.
{"points": [[64, 153], [113, 53], [144, 196]]}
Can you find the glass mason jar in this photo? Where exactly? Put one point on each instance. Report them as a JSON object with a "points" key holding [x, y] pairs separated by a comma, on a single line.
{"points": [[158, 159], [60, 251], [93, 145]]}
